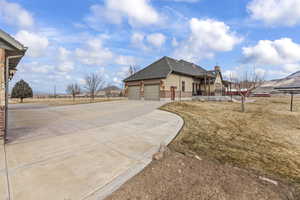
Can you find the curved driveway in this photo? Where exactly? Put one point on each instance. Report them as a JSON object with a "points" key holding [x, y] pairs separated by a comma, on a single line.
{"points": [[81, 151]]}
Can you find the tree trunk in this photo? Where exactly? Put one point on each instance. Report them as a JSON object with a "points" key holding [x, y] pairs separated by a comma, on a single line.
{"points": [[243, 103], [92, 98], [21, 100]]}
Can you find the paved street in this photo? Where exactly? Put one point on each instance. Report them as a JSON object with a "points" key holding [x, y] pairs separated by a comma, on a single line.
{"points": [[81, 151]]}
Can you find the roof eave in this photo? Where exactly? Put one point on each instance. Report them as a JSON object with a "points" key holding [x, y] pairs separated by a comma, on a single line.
{"points": [[12, 41], [141, 79]]}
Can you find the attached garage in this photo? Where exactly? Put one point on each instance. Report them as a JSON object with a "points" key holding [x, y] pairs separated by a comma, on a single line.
{"points": [[134, 93], [151, 92]]}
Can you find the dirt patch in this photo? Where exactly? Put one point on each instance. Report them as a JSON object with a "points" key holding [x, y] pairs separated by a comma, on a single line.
{"points": [[179, 177]]}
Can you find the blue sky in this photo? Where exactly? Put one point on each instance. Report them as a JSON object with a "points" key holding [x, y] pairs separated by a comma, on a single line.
{"points": [[70, 39]]}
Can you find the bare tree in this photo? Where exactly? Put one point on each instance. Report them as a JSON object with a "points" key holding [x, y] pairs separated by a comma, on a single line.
{"points": [[94, 83], [73, 89], [133, 69], [247, 83]]}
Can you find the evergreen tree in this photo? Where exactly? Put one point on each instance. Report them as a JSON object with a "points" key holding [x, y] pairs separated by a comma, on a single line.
{"points": [[21, 90]]}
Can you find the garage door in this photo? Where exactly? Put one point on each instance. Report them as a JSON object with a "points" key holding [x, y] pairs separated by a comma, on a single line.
{"points": [[151, 92], [134, 92]]}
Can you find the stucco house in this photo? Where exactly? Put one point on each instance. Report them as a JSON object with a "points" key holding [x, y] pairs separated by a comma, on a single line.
{"points": [[171, 79]]}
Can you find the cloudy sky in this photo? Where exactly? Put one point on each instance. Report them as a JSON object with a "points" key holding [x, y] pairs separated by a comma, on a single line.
{"points": [[69, 39]]}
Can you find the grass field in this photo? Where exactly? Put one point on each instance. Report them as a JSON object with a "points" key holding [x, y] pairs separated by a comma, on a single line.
{"points": [[266, 138], [64, 101]]}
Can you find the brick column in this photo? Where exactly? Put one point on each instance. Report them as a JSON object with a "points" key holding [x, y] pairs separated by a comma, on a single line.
{"points": [[2, 96]]}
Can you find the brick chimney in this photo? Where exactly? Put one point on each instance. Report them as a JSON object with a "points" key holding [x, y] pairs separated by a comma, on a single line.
{"points": [[217, 68]]}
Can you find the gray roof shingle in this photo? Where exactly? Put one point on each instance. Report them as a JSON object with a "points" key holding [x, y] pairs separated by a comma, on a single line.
{"points": [[164, 66]]}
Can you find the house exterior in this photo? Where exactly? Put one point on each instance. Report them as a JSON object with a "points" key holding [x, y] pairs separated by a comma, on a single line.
{"points": [[112, 91], [11, 52], [171, 79]]}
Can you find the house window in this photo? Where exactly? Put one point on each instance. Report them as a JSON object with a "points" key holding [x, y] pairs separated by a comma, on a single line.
{"points": [[183, 86]]}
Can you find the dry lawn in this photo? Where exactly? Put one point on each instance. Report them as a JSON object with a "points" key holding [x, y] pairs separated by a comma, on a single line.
{"points": [[179, 177], [266, 138], [63, 101]]}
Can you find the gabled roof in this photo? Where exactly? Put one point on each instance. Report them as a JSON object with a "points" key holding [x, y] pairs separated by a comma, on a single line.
{"points": [[295, 84], [13, 48], [158, 69], [164, 66], [11, 41]]}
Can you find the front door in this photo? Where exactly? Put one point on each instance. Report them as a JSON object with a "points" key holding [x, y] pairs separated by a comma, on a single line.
{"points": [[172, 93]]}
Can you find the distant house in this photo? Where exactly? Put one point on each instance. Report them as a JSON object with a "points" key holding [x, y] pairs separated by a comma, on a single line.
{"points": [[112, 91], [171, 79]]}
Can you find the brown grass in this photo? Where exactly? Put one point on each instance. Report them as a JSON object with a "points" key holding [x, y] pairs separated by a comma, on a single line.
{"points": [[63, 101], [266, 138], [179, 177]]}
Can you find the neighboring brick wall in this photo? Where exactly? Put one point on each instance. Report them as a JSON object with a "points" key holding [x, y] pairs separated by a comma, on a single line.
{"points": [[2, 95], [2, 124]]}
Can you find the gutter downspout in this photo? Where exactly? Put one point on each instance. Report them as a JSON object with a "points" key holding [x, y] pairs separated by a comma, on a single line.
{"points": [[6, 89]]}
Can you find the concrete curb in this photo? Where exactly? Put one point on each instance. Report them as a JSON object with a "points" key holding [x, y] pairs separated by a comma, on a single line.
{"points": [[117, 182]]}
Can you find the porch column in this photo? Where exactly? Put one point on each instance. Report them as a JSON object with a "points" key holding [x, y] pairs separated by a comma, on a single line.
{"points": [[2, 96]]}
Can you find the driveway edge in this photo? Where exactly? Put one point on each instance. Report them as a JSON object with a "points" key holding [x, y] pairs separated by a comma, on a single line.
{"points": [[117, 182]]}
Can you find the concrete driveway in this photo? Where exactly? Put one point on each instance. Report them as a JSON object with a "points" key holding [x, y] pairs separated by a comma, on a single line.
{"points": [[81, 151]]}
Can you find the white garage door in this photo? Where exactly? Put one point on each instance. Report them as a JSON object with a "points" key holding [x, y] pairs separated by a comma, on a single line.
{"points": [[134, 92], [151, 92]]}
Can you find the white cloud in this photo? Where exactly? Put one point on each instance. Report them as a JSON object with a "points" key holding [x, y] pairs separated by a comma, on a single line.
{"points": [[116, 80], [156, 39], [207, 37], [230, 74], [186, 1], [292, 67], [63, 53], [174, 42], [278, 58], [94, 53], [277, 52], [260, 72], [66, 66], [36, 67], [124, 72], [125, 60], [137, 39], [138, 12], [37, 44], [14, 14], [277, 73], [42, 68], [81, 81], [273, 12], [65, 62]]}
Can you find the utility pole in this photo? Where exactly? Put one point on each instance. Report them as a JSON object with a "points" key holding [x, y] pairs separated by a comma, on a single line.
{"points": [[292, 98]]}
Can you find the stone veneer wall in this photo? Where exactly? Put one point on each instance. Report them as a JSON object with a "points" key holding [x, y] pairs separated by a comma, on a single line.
{"points": [[178, 94]]}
